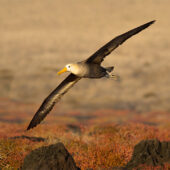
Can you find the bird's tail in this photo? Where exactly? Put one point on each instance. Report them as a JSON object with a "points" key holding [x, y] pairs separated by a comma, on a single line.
{"points": [[113, 76], [109, 69]]}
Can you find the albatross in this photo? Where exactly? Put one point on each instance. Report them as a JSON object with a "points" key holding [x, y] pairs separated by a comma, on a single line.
{"points": [[89, 68]]}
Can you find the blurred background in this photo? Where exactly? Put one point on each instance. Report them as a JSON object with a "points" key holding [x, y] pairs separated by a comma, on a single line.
{"points": [[40, 37]]}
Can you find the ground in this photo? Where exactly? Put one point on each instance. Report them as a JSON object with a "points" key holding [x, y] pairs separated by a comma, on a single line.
{"points": [[99, 139]]}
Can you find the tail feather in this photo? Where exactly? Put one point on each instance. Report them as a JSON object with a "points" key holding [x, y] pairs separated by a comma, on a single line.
{"points": [[109, 69], [113, 76]]}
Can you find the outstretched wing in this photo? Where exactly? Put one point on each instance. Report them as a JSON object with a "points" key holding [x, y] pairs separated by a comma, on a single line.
{"points": [[99, 55], [54, 97]]}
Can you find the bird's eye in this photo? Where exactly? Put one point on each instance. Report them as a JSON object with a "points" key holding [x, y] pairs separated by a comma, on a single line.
{"points": [[68, 66]]}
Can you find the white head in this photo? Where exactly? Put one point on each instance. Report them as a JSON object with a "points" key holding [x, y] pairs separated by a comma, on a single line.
{"points": [[68, 67]]}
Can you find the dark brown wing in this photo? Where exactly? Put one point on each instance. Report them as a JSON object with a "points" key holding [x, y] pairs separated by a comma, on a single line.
{"points": [[50, 101], [99, 55]]}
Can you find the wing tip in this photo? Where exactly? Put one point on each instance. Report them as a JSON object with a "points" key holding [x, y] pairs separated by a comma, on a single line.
{"points": [[30, 127], [152, 22], [149, 23]]}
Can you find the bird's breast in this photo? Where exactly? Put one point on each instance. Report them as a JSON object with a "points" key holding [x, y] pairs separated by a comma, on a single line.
{"points": [[81, 70], [89, 70]]}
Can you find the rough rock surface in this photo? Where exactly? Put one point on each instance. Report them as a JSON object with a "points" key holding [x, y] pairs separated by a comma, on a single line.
{"points": [[53, 157], [150, 152]]}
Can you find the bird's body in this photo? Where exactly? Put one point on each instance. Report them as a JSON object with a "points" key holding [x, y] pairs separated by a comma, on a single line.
{"points": [[90, 68]]}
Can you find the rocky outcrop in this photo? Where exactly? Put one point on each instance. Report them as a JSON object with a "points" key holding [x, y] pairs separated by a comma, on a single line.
{"points": [[150, 152], [53, 157], [56, 157]]}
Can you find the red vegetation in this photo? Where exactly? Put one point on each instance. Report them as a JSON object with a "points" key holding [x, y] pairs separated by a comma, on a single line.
{"points": [[102, 138]]}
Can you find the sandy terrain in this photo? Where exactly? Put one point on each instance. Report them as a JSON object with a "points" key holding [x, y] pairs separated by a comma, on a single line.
{"points": [[39, 37]]}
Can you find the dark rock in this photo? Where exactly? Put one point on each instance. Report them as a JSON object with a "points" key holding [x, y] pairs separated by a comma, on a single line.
{"points": [[53, 157], [150, 152]]}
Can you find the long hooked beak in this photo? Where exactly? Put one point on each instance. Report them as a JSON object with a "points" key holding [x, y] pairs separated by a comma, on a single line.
{"points": [[62, 71]]}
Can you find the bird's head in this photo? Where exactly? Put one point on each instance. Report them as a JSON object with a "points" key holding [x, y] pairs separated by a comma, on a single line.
{"points": [[68, 67]]}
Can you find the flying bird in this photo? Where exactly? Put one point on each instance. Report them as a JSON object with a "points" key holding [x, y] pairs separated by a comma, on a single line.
{"points": [[89, 68]]}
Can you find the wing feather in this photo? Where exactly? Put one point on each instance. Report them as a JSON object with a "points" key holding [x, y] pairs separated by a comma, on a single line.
{"points": [[53, 98], [99, 55]]}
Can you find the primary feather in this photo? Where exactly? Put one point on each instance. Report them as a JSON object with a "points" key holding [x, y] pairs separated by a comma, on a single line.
{"points": [[54, 97], [99, 55]]}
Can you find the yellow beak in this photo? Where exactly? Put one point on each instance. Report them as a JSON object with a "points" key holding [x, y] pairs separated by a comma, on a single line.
{"points": [[62, 71]]}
